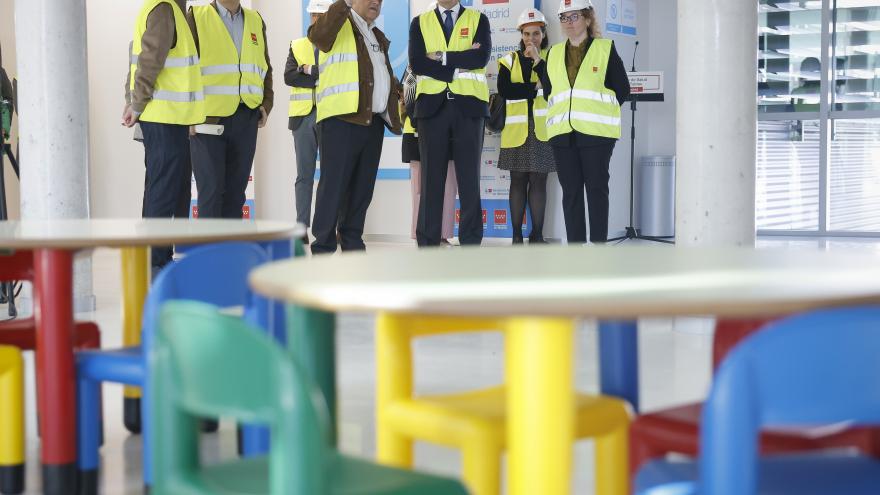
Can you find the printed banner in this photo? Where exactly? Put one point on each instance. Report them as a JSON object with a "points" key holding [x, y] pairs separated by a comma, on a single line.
{"points": [[620, 17]]}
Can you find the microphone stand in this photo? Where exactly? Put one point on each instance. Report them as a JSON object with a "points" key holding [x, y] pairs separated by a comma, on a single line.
{"points": [[631, 232]]}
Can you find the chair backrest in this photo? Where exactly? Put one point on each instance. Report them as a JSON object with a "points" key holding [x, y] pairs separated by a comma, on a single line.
{"points": [[811, 369], [210, 364], [16, 265], [731, 331], [215, 274]]}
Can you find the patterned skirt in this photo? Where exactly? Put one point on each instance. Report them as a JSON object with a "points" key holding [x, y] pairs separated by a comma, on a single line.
{"points": [[532, 156]]}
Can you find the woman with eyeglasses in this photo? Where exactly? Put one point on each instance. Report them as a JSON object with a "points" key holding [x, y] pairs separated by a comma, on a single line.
{"points": [[587, 83], [524, 148]]}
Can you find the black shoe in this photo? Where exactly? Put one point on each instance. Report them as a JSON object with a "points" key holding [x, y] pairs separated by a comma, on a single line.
{"points": [[537, 240], [305, 239], [517, 239]]}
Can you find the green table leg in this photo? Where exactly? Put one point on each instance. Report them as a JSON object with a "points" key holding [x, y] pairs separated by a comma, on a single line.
{"points": [[311, 339]]}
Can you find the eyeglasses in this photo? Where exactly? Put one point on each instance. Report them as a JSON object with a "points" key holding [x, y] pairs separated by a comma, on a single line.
{"points": [[570, 18]]}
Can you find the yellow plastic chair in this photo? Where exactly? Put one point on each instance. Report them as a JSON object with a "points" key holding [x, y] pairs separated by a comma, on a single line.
{"points": [[11, 420], [475, 421]]}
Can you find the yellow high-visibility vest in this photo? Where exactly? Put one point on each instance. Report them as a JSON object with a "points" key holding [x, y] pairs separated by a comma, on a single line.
{"points": [[177, 92], [229, 78], [516, 122], [338, 90], [302, 99], [589, 107], [464, 82]]}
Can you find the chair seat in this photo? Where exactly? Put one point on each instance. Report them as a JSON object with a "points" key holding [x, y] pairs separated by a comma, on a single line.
{"points": [[453, 419], [347, 476], [124, 365], [678, 428], [803, 474]]}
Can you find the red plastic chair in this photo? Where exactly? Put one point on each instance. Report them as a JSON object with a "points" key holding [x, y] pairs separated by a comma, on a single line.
{"points": [[677, 430], [22, 333]]}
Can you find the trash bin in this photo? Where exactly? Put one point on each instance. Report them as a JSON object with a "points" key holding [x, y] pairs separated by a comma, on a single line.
{"points": [[657, 196]]}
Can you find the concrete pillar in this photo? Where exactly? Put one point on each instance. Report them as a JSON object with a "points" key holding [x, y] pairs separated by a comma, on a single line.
{"points": [[50, 41], [716, 124]]}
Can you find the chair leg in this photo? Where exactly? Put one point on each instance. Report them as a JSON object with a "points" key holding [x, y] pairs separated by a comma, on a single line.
{"points": [[11, 421], [392, 448], [89, 434], [612, 460], [481, 466]]}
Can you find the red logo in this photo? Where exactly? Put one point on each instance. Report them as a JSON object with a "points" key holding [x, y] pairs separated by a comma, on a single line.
{"points": [[487, 2], [595, 69], [484, 217], [531, 15], [636, 89], [500, 217], [568, 3], [254, 39], [457, 215], [246, 212], [195, 211], [464, 32]]}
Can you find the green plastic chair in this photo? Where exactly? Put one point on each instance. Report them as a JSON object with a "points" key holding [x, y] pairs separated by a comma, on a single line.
{"points": [[207, 364]]}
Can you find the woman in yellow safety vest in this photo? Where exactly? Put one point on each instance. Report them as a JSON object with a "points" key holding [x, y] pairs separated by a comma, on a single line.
{"points": [[525, 151], [586, 83]]}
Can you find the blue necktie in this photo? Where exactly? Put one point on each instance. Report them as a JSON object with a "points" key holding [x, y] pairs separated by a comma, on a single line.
{"points": [[447, 25]]}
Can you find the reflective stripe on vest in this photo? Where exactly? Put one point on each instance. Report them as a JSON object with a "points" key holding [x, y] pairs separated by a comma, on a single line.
{"points": [[230, 78], [177, 92], [516, 123], [302, 100], [589, 108], [464, 82], [338, 89]]}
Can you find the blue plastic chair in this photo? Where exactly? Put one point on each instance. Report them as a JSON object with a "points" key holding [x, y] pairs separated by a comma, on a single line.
{"points": [[819, 368], [215, 274]]}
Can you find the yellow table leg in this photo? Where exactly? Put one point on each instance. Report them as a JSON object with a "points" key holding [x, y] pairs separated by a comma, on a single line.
{"points": [[11, 409], [135, 282], [540, 405], [393, 383]]}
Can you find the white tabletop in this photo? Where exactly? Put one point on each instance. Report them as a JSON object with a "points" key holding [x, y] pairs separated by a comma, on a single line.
{"points": [[612, 281], [76, 234]]}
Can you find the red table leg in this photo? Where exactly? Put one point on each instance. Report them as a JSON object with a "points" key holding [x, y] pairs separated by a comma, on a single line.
{"points": [[56, 375]]}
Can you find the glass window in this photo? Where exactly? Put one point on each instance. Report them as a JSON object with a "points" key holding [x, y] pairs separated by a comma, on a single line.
{"points": [[787, 179], [854, 176], [856, 55], [789, 43]]}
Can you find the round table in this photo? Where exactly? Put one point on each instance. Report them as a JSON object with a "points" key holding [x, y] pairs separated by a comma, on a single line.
{"points": [[54, 243], [534, 286]]}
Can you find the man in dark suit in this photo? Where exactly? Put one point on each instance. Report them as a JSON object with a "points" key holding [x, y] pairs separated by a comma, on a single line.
{"points": [[449, 48]]}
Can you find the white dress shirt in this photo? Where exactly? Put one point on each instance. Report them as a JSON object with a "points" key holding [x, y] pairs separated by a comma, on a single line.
{"points": [[381, 77]]}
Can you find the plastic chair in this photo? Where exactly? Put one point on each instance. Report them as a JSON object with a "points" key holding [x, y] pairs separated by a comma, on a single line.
{"points": [[677, 430], [475, 421], [21, 332], [208, 364], [11, 421], [814, 369], [214, 273]]}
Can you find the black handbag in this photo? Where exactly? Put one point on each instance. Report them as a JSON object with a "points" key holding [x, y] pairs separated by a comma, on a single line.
{"points": [[497, 113]]}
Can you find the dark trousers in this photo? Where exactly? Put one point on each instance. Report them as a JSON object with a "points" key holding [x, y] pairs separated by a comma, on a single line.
{"points": [[465, 134], [222, 164], [582, 168], [167, 179], [349, 162]]}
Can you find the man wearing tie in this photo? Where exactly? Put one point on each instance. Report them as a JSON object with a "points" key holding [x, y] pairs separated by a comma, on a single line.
{"points": [[449, 48]]}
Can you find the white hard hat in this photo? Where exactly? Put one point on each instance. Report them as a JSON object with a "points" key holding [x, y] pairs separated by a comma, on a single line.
{"points": [[574, 5], [318, 6], [530, 16]]}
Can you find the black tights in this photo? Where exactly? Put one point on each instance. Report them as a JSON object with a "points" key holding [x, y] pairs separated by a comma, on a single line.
{"points": [[531, 185]]}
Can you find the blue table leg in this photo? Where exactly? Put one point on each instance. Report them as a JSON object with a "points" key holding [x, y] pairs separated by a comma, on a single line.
{"points": [[619, 360]]}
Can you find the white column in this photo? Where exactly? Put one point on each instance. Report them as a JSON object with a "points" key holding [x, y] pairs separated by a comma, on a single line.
{"points": [[50, 40], [716, 128]]}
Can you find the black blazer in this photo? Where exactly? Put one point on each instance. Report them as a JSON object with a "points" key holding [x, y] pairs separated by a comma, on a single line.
{"points": [[428, 105]]}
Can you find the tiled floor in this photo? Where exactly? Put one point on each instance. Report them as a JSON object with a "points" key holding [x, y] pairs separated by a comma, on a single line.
{"points": [[675, 368]]}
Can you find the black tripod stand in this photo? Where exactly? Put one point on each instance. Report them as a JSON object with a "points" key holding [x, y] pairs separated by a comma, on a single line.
{"points": [[631, 232]]}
